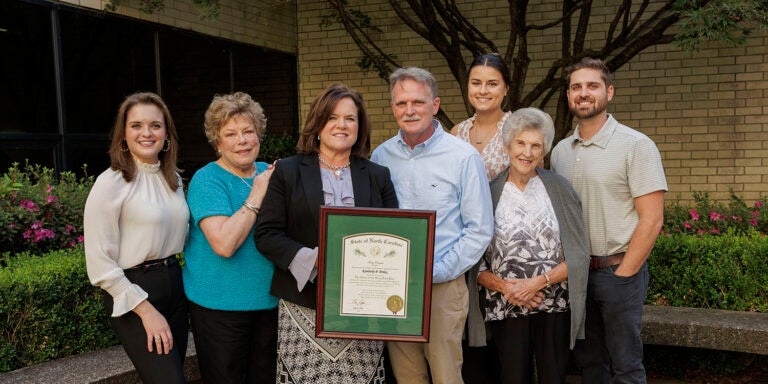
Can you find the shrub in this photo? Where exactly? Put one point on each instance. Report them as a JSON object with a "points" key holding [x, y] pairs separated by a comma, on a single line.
{"points": [[48, 309], [274, 147], [39, 210], [707, 216], [726, 271]]}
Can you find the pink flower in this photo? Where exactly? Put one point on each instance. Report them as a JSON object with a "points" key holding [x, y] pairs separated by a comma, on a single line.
{"points": [[27, 234], [759, 204], [753, 222], [11, 225], [694, 215], [69, 228], [72, 243], [714, 216], [701, 231], [29, 205], [42, 234], [737, 218], [80, 238], [687, 225], [37, 225], [714, 230], [51, 199], [755, 213], [48, 188]]}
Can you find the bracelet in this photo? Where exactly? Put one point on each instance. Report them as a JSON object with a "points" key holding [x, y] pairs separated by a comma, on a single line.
{"points": [[549, 282], [252, 207]]}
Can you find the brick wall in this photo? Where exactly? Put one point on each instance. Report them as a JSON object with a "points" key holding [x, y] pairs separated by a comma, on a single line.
{"points": [[265, 23], [707, 111]]}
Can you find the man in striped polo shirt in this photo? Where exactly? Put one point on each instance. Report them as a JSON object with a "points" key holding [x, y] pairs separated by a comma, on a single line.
{"points": [[618, 175]]}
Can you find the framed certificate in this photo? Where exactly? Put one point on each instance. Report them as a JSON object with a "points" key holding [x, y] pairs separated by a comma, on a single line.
{"points": [[374, 270]]}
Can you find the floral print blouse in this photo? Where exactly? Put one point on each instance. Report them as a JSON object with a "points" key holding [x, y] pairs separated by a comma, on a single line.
{"points": [[526, 243]]}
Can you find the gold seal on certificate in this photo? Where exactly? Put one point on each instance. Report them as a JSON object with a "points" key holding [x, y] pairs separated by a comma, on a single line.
{"points": [[395, 303]]}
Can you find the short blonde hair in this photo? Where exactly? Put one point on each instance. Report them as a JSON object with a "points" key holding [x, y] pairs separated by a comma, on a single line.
{"points": [[529, 119], [224, 107]]}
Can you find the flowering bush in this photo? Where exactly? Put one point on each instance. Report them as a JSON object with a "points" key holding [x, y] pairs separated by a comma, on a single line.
{"points": [[41, 211], [707, 216]]}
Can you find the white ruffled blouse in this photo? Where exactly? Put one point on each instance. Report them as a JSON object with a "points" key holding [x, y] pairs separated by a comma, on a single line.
{"points": [[126, 224]]}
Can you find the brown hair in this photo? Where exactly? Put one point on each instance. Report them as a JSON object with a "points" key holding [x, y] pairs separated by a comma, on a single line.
{"points": [[591, 63], [122, 160], [224, 107], [319, 112]]}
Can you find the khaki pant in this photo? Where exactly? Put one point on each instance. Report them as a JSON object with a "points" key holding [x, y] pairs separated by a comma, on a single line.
{"points": [[442, 355]]}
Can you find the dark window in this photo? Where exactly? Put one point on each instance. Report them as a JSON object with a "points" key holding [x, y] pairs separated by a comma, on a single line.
{"points": [[269, 78], [28, 98], [105, 57], [104, 60], [194, 68]]}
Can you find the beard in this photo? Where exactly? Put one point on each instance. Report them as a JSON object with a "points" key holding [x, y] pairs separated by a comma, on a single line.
{"points": [[597, 108]]}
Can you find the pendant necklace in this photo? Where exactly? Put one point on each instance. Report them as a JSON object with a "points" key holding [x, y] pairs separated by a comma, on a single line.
{"points": [[335, 168], [483, 138]]}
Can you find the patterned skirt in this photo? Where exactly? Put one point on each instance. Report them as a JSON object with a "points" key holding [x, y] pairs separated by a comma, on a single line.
{"points": [[302, 358]]}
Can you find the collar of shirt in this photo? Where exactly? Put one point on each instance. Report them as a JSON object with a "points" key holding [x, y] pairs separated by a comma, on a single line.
{"points": [[602, 136], [429, 143]]}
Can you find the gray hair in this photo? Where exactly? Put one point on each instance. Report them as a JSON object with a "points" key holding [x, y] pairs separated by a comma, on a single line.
{"points": [[416, 74], [529, 119]]}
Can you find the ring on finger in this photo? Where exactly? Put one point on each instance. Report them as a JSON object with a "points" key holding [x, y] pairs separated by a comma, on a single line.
{"points": [[157, 337]]}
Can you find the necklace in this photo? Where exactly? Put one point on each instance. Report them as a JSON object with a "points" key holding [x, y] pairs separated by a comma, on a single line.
{"points": [[235, 173], [244, 182], [335, 168], [483, 138]]}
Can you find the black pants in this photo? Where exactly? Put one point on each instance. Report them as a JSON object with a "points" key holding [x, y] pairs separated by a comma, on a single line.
{"points": [[166, 294], [545, 336], [235, 347]]}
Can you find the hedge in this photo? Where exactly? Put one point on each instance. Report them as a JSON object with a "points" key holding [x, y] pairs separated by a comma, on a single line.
{"points": [[727, 271], [49, 310]]}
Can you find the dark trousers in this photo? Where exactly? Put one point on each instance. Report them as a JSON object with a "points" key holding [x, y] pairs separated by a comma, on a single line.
{"points": [[613, 323], [543, 336], [235, 346], [166, 294]]}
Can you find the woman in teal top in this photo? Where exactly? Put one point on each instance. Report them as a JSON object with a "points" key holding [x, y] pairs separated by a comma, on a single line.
{"points": [[226, 279]]}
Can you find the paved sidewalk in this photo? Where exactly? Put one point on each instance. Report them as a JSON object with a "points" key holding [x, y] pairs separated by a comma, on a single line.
{"points": [[575, 379]]}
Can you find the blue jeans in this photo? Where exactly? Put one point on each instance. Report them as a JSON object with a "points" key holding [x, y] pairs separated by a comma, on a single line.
{"points": [[613, 323]]}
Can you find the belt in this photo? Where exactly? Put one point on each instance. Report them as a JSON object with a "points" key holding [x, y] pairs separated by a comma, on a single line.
{"points": [[154, 264], [600, 262]]}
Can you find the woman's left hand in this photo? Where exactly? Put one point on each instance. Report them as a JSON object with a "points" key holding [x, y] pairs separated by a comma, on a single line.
{"points": [[524, 292], [259, 189]]}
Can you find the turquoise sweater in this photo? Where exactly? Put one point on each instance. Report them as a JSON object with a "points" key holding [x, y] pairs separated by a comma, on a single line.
{"points": [[238, 283]]}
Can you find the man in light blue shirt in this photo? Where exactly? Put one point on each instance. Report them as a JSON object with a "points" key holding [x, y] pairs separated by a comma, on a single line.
{"points": [[433, 170]]}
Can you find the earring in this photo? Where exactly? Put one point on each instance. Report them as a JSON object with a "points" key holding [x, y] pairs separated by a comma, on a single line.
{"points": [[126, 146], [318, 137], [167, 145]]}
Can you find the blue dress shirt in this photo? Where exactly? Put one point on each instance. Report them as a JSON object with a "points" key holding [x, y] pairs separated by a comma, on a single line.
{"points": [[446, 175]]}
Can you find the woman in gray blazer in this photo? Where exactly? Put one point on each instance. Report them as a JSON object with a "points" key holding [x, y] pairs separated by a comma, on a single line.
{"points": [[534, 273]]}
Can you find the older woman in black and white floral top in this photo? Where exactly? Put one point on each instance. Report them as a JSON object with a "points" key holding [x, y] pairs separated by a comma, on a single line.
{"points": [[535, 270]]}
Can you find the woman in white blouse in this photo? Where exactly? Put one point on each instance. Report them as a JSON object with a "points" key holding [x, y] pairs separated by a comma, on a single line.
{"points": [[135, 223], [535, 270]]}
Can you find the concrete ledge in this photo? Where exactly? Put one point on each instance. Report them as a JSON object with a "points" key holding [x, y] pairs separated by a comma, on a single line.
{"points": [[106, 366], [684, 327], [706, 328]]}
